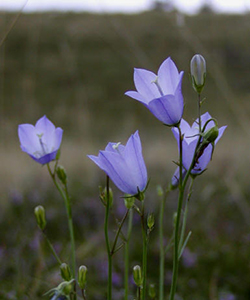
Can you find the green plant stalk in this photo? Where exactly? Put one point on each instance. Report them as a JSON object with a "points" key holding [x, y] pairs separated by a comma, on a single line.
{"points": [[185, 215], [109, 291], [144, 253], [67, 202], [162, 250], [126, 254], [52, 249], [177, 224], [182, 185]]}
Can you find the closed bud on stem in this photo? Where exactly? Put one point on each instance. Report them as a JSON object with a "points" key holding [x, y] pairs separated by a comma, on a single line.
{"points": [[152, 291], [211, 134], [137, 275], [151, 221], [198, 72], [82, 276], [65, 272], [61, 174], [40, 216], [159, 191], [129, 202]]}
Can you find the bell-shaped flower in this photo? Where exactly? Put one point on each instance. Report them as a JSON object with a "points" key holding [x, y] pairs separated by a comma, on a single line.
{"points": [[161, 93], [124, 165], [41, 141], [189, 143]]}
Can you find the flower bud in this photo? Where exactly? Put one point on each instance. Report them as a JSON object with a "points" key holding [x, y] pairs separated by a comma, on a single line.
{"points": [[198, 72], [129, 202], [152, 291], [137, 275], [151, 221], [82, 276], [65, 272], [211, 134], [40, 217], [61, 173], [159, 191]]}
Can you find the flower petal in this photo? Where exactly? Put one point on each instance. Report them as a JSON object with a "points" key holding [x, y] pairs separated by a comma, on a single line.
{"points": [[168, 76], [144, 83], [28, 138], [135, 162], [166, 109]]}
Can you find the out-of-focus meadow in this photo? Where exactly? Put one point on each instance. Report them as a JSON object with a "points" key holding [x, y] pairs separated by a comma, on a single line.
{"points": [[75, 69]]}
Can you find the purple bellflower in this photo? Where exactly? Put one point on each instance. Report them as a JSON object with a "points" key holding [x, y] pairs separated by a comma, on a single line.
{"points": [[190, 139], [124, 165], [161, 93], [41, 141]]}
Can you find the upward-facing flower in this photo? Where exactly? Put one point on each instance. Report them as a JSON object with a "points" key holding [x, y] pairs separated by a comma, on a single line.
{"points": [[189, 143], [124, 165], [161, 93], [41, 141]]}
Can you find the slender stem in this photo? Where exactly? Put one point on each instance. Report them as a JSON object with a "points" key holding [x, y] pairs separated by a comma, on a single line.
{"points": [[126, 254], [144, 252], [177, 224], [65, 195], [185, 215], [162, 248], [52, 248], [113, 250], [199, 111], [109, 295]]}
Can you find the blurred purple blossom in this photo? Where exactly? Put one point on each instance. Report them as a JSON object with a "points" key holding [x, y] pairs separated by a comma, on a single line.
{"points": [[188, 258], [41, 141], [160, 93], [124, 165], [190, 139]]}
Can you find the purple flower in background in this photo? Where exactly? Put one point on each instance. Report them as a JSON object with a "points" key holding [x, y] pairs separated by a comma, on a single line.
{"points": [[41, 141], [190, 139], [124, 165], [161, 93]]}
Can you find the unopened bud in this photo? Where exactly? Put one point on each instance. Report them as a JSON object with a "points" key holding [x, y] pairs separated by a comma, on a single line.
{"points": [[61, 173], [40, 216], [65, 272], [129, 202], [151, 221], [152, 291], [82, 276], [211, 134], [159, 191], [198, 72], [137, 275]]}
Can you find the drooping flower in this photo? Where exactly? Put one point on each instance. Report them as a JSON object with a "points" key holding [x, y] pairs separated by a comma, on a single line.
{"points": [[41, 141], [124, 165], [189, 143], [161, 93]]}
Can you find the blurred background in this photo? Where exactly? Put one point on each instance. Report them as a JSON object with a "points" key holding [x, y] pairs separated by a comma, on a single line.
{"points": [[74, 64]]}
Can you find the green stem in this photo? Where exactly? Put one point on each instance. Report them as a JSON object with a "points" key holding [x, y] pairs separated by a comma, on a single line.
{"points": [[144, 252], [65, 195], [109, 291], [162, 250], [126, 254], [199, 111], [113, 250], [52, 248], [185, 215], [177, 224], [182, 185]]}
